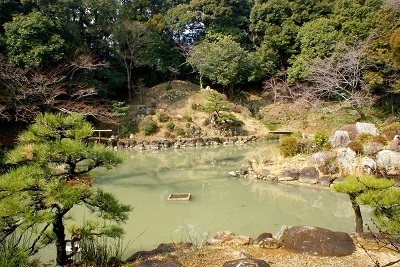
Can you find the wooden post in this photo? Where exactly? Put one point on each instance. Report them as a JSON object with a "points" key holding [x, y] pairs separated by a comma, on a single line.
{"points": [[108, 130]]}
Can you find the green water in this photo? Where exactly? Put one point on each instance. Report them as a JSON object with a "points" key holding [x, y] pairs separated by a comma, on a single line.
{"points": [[219, 202]]}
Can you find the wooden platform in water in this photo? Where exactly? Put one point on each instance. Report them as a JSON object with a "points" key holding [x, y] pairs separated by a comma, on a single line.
{"points": [[179, 197]]}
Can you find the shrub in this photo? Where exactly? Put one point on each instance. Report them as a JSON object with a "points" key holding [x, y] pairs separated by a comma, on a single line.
{"points": [[168, 87], [391, 130], [380, 139], [365, 138], [289, 146], [179, 131], [355, 146], [170, 125], [187, 117], [321, 140], [161, 116], [147, 126]]}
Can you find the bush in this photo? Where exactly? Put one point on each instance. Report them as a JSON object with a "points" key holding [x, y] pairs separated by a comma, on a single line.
{"points": [[355, 146], [289, 146], [170, 125], [365, 138], [179, 131], [147, 126], [321, 140], [187, 117], [391, 130], [161, 116]]}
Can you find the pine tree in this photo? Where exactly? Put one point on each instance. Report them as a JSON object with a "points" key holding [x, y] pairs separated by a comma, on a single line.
{"points": [[50, 172]]}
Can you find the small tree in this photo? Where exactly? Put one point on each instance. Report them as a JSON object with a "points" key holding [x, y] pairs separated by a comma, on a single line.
{"points": [[50, 173], [219, 107]]}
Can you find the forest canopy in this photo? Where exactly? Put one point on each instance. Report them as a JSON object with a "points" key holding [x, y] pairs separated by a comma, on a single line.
{"points": [[78, 55]]}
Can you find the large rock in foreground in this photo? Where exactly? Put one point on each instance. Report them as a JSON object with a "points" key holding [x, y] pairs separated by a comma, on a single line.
{"points": [[246, 263], [316, 241]]}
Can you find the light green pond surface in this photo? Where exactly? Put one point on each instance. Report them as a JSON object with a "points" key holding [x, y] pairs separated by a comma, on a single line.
{"points": [[219, 202]]}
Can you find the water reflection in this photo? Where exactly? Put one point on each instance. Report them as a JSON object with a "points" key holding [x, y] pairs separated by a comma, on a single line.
{"points": [[218, 202]]}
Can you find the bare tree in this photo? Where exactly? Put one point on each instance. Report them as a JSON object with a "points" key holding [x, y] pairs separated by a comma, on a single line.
{"points": [[27, 92], [340, 78]]}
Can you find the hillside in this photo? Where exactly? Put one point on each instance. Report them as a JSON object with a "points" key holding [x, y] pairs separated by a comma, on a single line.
{"points": [[181, 103]]}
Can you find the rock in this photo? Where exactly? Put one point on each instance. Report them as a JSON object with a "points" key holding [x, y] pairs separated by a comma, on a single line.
{"points": [[368, 165], [316, 241], [366, 128], [161, 249], [321, 157], [328, 169], [266, 240], [371, 148], [285, 179], [243, 170], [246, 263], [325, 181], [309, 175], [340, 139], [157, 263], [263, 173], [226, 237], [293, 173], [234, 174], [388, 160], [346, 158]]}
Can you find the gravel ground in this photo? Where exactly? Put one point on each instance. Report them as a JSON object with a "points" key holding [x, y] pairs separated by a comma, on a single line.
{"points": [[213, 256]]}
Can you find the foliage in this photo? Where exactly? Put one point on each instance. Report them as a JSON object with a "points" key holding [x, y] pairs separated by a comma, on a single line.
{"points": [[289, 146], [170, 125], [378, 193], [355, 146], [222, 61], [321, 140], [147, 126], [218, 106], [14, 255], [188, 117], [101, 251], [33, 40], [119, 109], [161, 116], [391, 130], [50, 173]]}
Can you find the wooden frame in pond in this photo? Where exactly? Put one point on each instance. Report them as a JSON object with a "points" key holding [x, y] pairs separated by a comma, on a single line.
{"points": [[179, 197]]}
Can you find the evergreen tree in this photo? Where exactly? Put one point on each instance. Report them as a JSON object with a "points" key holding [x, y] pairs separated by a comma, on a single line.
{"points": [[50, 173]]}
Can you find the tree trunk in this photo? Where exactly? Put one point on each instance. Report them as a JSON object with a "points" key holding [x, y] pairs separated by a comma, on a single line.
{"points": [[61, 243], [357, 212]]}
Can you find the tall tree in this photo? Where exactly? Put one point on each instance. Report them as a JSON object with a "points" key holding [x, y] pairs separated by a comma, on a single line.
{"points": [[33, 40], [49, 174], [135, 44], [224, 62]]}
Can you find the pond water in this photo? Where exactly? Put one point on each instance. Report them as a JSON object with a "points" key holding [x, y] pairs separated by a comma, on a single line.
{"points": [[219, 202]]}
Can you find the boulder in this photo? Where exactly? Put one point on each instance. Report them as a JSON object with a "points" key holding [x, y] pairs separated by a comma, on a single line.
{"points": [[340, 139], [388, 160], [368, 165], [293, 173], [266, 240], [366, 128], [226, 237], [346, 158], [316, 241], [321, 157], [246, 263], [157, 263], [328, 169], [309, 175], [161, 249]]}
